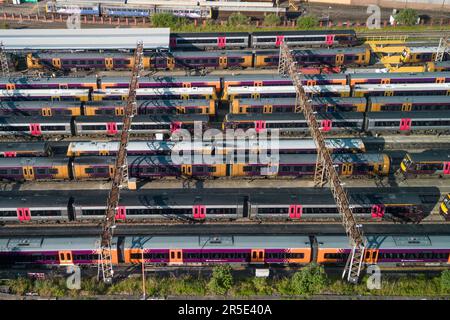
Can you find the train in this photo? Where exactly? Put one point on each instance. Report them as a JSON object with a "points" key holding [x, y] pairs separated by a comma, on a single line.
{"points": [[283, 123], [222, 59], [427, 163], [444, 208], [408, 251], [410, 204]]}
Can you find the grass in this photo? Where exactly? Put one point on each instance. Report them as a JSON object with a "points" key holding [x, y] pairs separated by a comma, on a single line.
{"points": [[187, 285]]}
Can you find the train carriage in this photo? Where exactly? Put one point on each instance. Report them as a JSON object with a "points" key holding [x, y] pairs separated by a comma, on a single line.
{"points": [[256, 92], [397, 121], [40, 108], [201, 60], [35, 168], [35, 126], [401, 89], [157, 94], [399, 77], [24, 149], [151, 107], [287, 105], [295, 123], [70, 9], [328, 38], [49, 83], [418, 54], [330, 57], [205, 40], [427, 163], [408, 103], [45, 95], [438, 66], [444, 208]]}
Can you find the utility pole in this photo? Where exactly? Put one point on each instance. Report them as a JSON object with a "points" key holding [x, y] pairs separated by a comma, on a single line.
{"points": [[444, 45], [4, 61], [144, 294], [325, 170], [120, 174]]}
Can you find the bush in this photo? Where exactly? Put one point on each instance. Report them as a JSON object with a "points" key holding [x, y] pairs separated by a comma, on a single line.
{"points": [[407, 17], [309, 280], [238, 19], [445, 281], [21, 286], [272, 20], [221, 280], [307, 22], [167, 20]]}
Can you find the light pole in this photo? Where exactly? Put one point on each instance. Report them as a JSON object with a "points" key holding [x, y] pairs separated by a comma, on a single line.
{"points": [[144, 296]]}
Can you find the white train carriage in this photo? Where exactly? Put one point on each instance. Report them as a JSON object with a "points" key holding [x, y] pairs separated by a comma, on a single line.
{"points": [[157, 93]]}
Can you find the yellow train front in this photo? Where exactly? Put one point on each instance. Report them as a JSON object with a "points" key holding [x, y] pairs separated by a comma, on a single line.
{"points": [[444, 208]]}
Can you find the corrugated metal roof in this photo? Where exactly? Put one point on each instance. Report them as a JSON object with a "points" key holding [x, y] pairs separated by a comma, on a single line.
{"points": [[108, 38]]}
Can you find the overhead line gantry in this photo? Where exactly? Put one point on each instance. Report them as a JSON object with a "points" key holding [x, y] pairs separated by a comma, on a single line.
{"points": [[120, 174], [325, 169]]}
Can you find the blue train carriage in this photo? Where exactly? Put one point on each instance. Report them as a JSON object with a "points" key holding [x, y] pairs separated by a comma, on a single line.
{"points": [[427, 163], [409, 122], [287, 105]]}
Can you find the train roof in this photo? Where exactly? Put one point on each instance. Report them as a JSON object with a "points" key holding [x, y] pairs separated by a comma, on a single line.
{"points": [[291, 101], [43, 93], [294, 116], [37, 104], [288, 89], [412, 99], [151, 103], [36, 200], [400, 75], [34, 161], [143, 118], [226, 242], [199, 35], [28, 244], [331, 51], [211, 54], [430, 155], [163, 79], [158, 91], [402, 86], [5, 120], [422, 49], [23, 146], [415, 115], [48, 80], [256, 77]]}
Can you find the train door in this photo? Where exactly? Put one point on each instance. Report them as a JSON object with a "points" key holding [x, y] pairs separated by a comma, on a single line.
{"points": [[347, 169], [440, 80], [65, 258], [63, 86], [181, 110], [385, 81], [371, 256], [377, 211], [311, 82], [35, 129], [119, 111], [389, 93], [260, 125], [279, 41], [28, 173], [199, 212], [46, 112], [56, 62], [339, 59], [121, 213], [257, 256], [23, 214], [446, 167], [405, 124], [111, 128], [267, 108], [174, 126], [326, 125], [109, 64], [175, 256], [10, 86], [186, 169], [295, 211], [329, 40], [223, 62], [170, 63], [407, 106], [221, 42]]}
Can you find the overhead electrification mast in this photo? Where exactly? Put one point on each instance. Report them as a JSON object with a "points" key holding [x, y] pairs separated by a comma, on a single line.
{"points": [[325, 170], [120, 174]]}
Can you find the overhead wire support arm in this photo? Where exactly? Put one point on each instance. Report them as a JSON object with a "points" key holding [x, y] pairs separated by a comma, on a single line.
{"points": [[120, 174], [325, 169]]}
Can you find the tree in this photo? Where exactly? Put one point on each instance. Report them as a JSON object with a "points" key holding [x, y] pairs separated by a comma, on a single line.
{"points": [[221, 280], [310, 280], [167, 20], [307, 22], [407, 17], [445, 281], [238, 19], [272, 20]]}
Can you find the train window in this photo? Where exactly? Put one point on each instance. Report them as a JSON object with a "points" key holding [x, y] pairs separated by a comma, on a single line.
{"points": [[93, 212], [41, 171], [211, 169], [8, 213], [172, 255], [430, 166], [46, 213], [89, 170], [15, 171], [102, 170], [3, 171]]}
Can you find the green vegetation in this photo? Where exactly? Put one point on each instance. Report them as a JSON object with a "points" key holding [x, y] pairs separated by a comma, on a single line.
{"points": [[272, 20], [167, 20], [307, 22], [221, 280], [308, 281], [237, 20], [406, 17]]}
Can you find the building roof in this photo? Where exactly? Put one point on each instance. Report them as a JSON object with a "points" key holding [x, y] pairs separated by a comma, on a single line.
{"points": [[107, 38]]}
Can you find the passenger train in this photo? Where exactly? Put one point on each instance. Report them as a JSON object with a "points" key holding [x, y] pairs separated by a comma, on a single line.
{"points": [[400, 251], [444, 208], [427, 163], [410, 204]]}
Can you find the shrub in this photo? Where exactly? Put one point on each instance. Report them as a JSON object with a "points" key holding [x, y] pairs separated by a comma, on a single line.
{"points": [[167, 20], [445, 281], [221, 280], [309, 280], [407, 17], [307, 22], [21, 286], [272, 19], [238, 19]]}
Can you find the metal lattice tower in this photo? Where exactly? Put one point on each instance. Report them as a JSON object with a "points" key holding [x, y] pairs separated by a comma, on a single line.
{"points": [[325, 170], [444, 45], [120, 175], [4, 61]]}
